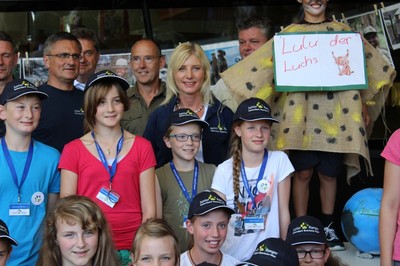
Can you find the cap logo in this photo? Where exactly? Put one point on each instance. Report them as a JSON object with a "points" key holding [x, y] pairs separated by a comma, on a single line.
{"points": [[264, 250], [305, 228], [187, 113], [106, 73], [258, 107], [23, 85], [211, 199]]}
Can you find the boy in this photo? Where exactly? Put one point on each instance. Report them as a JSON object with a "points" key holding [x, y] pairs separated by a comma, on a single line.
{"points": [[30, 181], [5, 243], [183, 177]]}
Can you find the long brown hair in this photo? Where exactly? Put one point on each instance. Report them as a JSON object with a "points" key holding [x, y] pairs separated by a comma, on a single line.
{"points": [[77, 209], [92, 99]]}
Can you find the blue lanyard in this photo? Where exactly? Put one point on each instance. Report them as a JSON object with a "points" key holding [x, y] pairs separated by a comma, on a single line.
{"points": [[113, 169], [180, 182], [12, 168], [260, 176]]}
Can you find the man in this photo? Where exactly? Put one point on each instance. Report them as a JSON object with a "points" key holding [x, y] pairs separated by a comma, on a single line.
{"points": [[322, 129], [149, 91], [8, 61], [62, 117], [90, 55], [371, 35], [252, 33]]}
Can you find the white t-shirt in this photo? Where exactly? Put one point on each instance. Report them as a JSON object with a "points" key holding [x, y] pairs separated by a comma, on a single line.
{"points": [[227, 260], [243, 244]]}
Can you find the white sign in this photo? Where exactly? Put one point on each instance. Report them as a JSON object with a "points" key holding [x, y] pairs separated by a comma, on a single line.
{"points": [[319, 61]]}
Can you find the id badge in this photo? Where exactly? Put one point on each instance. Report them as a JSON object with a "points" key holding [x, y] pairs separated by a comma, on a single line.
{"points": [[19, 209], [254, 222], [184, 221], [108, 197]]}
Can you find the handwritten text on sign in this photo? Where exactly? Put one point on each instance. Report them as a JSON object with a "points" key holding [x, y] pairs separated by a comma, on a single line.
{"points": [[319, 61]]}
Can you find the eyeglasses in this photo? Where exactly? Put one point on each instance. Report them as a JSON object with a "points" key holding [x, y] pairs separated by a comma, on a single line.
{"points": [[65, 56], [184, 137], [148, 59], [314, 254]]}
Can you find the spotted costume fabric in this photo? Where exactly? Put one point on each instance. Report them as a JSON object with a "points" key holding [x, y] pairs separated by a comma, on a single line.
{"points": [[322, 121]]}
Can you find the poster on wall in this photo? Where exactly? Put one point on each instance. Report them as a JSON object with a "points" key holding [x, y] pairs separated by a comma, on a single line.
{"points": [[370, 25], [33, 69], [319, 61], [391, 17]]}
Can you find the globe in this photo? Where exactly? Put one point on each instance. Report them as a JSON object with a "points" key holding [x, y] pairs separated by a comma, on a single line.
{"points": [[360, 219]]}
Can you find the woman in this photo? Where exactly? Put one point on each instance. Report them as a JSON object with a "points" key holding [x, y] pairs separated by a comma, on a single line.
{"points": [[110, 165], [188, 86], [77, 233]]}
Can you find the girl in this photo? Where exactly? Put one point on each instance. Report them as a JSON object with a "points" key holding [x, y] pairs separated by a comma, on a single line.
{"points": [[108, 164], [183, 176], [155, 244], [207, 224], [389, 231], [77, 233], [254, 182]]}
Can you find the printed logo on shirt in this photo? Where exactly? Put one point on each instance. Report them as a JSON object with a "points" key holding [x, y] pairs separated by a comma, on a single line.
{"points": [[37, 198]]}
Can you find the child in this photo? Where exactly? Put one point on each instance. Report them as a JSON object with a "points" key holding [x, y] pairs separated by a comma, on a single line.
{"points": [[110, 165], [207, 224], [389, 231], [307, 235], [184, 176], [273, 252], [29, 179], [156, 243], [6, 242], [254, 181], [77, 233]]}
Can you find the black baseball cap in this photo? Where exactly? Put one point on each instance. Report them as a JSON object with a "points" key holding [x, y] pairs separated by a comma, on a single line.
{"points": [[184, 116], [4, 233], [106, 75], [273, 252], [17, 88], [253, 109], [305, 230], [207, 201]]}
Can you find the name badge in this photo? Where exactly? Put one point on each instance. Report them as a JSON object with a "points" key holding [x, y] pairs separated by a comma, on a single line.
{"points": [[19, 209], [108, 197], [254, 223]]}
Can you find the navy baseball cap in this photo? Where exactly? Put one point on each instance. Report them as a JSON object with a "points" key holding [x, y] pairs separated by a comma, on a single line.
{"points": [[253, 109], [273, 252], [17, 88], [106, 75], [305, 230], [184, 116], [4, 233], [207, 201]]}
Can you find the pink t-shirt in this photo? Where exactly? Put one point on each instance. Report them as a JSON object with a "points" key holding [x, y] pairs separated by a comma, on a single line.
{"points": [[392, 154], [126, 216]]}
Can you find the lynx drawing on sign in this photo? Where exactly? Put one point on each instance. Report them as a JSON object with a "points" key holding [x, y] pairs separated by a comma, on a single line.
{"points": [[343, 64]]}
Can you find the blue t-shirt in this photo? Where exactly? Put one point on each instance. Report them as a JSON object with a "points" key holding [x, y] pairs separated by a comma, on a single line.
{"points": [[43, 178]]}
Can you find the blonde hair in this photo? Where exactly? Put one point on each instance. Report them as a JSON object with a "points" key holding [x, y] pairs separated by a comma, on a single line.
{"points": [[236, 153], [180, 54], [77, 209], [156, 228]]}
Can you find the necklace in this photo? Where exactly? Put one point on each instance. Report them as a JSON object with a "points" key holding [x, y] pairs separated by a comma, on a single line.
{"points": [[192, 261], [108, 150], [178, 106]]}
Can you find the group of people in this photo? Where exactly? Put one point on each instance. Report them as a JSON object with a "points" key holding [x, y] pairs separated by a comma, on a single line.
{"points": [[175, 172]]}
